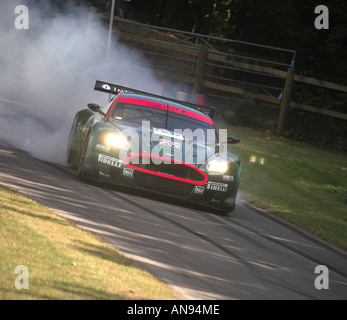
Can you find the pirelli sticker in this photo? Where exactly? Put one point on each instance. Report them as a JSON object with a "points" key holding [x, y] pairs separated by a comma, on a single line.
{"points": [[217, 186], [113, 162]]}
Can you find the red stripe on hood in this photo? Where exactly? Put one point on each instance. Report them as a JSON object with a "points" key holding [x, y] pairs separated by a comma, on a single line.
{"points": [[164, 106], [191, 114], [164, 175], [143, 102]]}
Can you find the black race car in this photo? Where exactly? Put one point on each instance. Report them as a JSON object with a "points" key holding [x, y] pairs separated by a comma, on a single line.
{"points": [[156, 144]]}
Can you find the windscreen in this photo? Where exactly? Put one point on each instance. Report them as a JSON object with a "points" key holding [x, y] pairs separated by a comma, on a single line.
{"points": [[133, 114]]}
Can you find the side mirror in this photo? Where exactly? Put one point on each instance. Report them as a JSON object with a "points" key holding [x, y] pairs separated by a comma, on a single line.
{"points": [[233, 140], [95, 108]]}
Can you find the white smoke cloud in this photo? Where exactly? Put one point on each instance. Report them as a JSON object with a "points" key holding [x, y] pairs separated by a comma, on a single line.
{"points": [[47, 74]]}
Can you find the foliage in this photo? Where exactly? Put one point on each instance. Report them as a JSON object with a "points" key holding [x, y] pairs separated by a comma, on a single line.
{"points": [[280, 23], [326, 132], [320, 54]]}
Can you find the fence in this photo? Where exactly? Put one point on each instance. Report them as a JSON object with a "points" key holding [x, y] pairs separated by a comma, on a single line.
{"points": [[221, 67]]}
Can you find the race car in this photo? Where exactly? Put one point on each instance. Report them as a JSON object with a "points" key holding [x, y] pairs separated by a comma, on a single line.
{"points": [[157, 144]]}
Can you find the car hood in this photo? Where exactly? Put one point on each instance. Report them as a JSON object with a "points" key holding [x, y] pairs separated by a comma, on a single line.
{"points": [[167, 144]]}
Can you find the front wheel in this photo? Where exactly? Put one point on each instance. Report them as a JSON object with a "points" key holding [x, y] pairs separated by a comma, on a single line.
{"points": [[80, 167], [72, 155]]}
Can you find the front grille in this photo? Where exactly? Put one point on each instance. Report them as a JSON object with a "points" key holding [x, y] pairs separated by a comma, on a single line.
{"points": [[163, 185], [164, 166], [177, 170], [169, 177]]}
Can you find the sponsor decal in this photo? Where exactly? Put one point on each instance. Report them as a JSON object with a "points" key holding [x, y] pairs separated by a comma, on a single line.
{"points": [[103, 174], [110, 161], [199, 189], [216, 186], [228, 178], [128, 172], [102, 147], [167, 133], [170, 143]]}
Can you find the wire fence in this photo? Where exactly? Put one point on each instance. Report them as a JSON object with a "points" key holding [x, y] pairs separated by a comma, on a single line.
{"points": [[221, 69]]}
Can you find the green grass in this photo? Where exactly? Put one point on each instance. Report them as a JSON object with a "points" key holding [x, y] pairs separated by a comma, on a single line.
{"points": [[64, 262], [304, 185]]}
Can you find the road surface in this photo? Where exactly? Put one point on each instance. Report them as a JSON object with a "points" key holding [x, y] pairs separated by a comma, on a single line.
{"points": [[199, 254]]}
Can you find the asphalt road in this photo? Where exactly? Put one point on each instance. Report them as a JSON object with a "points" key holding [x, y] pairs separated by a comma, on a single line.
{"points": [[201, 255]]}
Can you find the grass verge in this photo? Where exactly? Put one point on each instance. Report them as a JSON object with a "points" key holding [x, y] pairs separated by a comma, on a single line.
{"points": [[64, 262], [304, 185]]}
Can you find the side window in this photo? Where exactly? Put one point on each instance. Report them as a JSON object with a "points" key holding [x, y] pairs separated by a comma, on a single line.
{"points": [[108, 105]]}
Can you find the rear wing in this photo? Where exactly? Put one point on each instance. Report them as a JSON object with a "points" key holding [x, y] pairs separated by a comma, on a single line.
{"points": [[115, 89]]}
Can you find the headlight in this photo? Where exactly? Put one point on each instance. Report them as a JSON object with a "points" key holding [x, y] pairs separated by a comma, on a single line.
{"points": [[218, 166], [116, 140]]}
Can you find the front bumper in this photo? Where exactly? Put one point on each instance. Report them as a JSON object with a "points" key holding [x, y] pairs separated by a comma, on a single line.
{"points": [[217, 191]]}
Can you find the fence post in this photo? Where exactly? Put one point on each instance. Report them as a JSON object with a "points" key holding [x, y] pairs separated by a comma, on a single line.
{"points": [[110, 29], [199, 71], [285, 101], [91, 20], [92, 15]]}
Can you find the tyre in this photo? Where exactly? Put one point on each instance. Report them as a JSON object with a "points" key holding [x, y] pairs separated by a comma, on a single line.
{"points": [[72, 156], [80, 167]]}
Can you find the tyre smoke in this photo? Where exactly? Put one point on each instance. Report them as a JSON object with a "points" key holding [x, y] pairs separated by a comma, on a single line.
{"points": [[48, 72]]}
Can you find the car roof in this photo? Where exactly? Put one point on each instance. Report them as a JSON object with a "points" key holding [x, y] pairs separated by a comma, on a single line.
{"points": [[165, 100]]}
